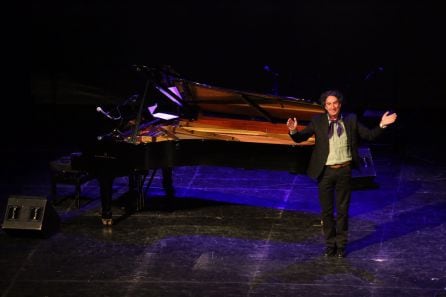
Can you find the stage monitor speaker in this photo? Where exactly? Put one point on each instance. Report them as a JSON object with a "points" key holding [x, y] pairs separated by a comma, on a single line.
{"points": [[30, 216]]}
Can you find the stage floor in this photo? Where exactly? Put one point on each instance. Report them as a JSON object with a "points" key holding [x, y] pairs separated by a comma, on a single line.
{"points": [[232, 232]]}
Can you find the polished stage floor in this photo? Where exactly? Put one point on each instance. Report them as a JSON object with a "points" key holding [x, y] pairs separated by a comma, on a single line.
{"points": [[233, 232]]}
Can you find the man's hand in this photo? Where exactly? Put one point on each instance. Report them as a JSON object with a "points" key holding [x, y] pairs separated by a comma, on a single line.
{"points": [[387, 119], [292, 124]]}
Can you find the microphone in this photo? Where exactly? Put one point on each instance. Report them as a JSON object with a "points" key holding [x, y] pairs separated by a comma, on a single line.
{"points": [[143, 68], [100, 110]]}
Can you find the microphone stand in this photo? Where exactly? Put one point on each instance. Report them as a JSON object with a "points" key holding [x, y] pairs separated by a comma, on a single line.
{"points": [[141, 107], [275, 79]]}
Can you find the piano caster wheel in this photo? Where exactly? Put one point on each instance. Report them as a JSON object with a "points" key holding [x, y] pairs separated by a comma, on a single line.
{"points": [[107, 222]]}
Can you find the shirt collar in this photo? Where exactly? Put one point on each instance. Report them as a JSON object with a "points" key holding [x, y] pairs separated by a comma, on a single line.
{"points": [[340, 117]]}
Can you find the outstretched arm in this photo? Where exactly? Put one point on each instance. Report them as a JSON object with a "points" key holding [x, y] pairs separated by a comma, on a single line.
{"points": [[387, 119], [299, 136]]}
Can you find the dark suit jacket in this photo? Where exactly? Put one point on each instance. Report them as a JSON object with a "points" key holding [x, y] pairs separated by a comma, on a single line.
{"points": [[319, 127]]}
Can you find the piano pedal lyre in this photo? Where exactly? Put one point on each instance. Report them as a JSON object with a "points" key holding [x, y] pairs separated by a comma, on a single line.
{"points": [[107, 222]]}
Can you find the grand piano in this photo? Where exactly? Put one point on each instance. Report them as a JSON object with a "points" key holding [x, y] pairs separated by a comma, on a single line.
{"points": [[207, 125]]}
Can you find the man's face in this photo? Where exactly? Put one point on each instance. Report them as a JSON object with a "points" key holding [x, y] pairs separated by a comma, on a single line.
{"points": [[332, 106]]}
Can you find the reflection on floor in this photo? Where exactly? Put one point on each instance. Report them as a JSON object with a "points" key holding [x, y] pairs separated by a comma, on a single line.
{"points": [[232, 232]]}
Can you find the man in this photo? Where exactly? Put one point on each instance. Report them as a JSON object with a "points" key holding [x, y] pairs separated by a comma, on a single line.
{"points": [[334, 155]]}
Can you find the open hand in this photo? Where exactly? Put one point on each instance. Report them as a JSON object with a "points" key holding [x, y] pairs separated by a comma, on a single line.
{"points": [[388, 118], [292, 124]]}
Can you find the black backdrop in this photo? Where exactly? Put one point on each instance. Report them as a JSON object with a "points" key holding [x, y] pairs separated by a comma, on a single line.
{"points": [[372, 50], [381, 54]]}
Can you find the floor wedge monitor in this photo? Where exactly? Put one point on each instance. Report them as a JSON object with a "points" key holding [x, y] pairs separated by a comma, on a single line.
{"points": [[30, 215]]}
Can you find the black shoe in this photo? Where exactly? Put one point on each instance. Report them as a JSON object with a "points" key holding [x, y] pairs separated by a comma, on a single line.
{"points": [[340, 253], [330, 252]]}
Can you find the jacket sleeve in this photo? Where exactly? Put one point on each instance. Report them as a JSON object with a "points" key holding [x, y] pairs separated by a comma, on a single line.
{"points": [[367, 133], [303, 135]]}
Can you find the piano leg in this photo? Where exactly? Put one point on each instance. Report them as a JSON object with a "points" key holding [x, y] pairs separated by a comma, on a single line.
{"points": [[168, 182], [168, 186], [136, 182], [106, 187], [135, 188]]}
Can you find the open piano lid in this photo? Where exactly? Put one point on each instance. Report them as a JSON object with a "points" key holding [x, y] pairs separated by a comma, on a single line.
{"points": [[217, 100]]}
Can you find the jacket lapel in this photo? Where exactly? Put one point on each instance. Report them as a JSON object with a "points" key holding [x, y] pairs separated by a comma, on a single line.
{"points": [[324, 124], [348, 127]]}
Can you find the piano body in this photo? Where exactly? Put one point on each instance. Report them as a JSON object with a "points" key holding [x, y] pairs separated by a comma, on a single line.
{"points": [[221, 127]]}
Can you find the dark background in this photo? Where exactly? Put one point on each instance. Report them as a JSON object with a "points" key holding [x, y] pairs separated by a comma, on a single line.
{"points": [[381, 54]]}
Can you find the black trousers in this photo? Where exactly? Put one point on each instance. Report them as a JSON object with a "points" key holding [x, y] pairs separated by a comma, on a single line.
{"points": [[335, 190]]}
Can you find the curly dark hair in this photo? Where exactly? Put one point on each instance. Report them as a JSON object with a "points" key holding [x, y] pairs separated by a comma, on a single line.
{"points": [[335, 93]]}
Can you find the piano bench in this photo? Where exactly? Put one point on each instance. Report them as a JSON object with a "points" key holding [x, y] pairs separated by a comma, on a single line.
{"points": [[62, 173]]}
